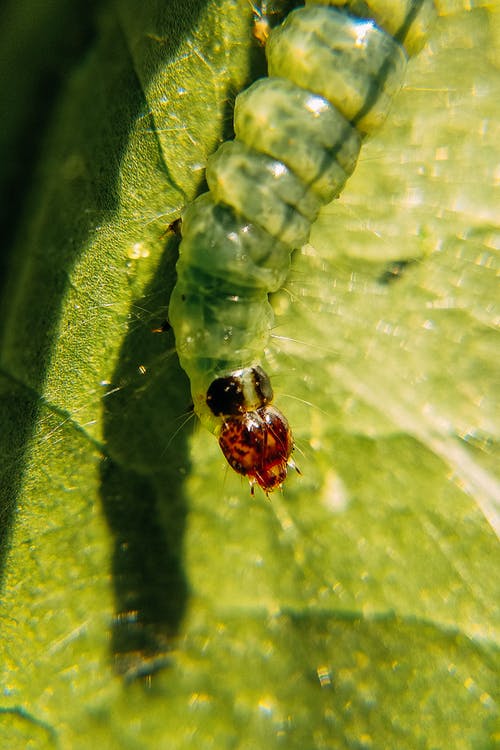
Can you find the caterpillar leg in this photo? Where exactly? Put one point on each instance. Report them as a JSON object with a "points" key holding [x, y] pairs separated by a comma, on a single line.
{"points": [[261, 26]]}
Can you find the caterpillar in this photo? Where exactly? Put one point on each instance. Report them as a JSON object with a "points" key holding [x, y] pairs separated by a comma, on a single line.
{"points": [[333, 69]]}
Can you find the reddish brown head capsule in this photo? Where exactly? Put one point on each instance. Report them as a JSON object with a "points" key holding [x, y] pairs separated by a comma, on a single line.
{"points": [[258, 444]]}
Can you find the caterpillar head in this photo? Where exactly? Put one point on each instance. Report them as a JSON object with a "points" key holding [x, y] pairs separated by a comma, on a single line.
{"points": [[255, 437]]}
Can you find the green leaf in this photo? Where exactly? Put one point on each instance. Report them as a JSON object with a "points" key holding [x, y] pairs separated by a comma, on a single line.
{"points": [[147, 599]]}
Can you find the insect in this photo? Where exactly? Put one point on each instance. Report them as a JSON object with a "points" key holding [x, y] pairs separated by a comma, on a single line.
{"points": [[261, 26], [334, 68]]}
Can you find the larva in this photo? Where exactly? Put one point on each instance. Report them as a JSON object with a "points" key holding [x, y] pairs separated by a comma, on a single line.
{"points": [[333, 69]]}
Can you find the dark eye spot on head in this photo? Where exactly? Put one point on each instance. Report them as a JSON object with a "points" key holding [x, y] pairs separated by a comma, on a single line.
{"points": [[225, 396]]}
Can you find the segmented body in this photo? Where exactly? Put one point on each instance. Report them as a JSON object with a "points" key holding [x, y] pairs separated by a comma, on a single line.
{"points": [[334, 68]]}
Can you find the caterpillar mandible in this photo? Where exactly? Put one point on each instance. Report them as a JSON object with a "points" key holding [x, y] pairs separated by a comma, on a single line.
{"points": [[333, 69]]}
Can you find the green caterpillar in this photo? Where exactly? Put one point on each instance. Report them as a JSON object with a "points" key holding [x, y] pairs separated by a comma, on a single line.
{"points": [[334, 68]]}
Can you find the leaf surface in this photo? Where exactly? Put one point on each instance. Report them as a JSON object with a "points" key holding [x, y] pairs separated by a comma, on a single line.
{"points": [[148, 600]]}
